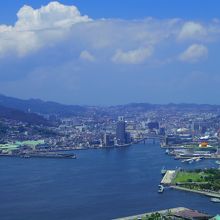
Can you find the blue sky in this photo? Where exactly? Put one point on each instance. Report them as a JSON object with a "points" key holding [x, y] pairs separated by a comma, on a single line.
{"points": [[111, 52], [127, 9]]}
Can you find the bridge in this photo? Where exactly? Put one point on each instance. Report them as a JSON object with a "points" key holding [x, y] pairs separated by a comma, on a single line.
{"points": [[152, 137]]}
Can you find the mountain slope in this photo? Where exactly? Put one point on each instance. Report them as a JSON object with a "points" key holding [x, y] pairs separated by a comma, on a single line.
{"points": [[39, 106], [17, 115]]}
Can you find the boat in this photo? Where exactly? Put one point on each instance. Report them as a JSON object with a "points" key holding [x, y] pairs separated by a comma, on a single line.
{"points": [[167, 151], [163, 171], [215, 200], [198, 159], [161, 188], [191, 161], [217, 162]]}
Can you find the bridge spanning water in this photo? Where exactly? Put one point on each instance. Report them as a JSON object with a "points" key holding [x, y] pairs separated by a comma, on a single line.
{"points": [[153, 138]]}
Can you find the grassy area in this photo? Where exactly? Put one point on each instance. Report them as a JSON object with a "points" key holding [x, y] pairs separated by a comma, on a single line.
{"points": [[208, 179], [13, 146], [8, 147], [184, 176], [30, 143]]}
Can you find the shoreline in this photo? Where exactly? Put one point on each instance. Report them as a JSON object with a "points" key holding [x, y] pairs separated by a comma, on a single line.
{"points": [[171, 211], [41, 155], [209, 194]]}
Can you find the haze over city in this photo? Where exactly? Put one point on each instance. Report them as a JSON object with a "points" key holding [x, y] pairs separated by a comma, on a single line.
{"points": [[109, 109], [110, 52]]}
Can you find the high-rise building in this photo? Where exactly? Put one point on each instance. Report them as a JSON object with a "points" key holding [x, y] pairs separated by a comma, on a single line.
{"points": [[106, 140], [127, 137], [120, 131]]}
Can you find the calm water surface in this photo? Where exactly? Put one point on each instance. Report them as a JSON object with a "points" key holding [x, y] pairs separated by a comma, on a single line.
{"points": [[100, 184]]}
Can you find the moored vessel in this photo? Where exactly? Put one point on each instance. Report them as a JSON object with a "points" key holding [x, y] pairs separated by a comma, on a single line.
{"points": [[161, 188], [217, 200], [163, 171]]}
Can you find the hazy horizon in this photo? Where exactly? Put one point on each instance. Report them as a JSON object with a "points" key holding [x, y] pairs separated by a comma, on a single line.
{"points": [[95, 53], [109, 105]]}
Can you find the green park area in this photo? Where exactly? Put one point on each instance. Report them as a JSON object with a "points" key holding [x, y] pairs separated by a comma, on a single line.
{"points": [[186, 176], [29, 143], [16, 145], [207, 179]]}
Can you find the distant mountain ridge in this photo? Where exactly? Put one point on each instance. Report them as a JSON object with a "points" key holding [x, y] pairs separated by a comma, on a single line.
{"points": [[39, 106], [48, 107], [17, 115]]}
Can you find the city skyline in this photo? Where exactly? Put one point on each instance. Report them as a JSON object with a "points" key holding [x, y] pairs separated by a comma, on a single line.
{"points": [[73, 52], [110, 109]]}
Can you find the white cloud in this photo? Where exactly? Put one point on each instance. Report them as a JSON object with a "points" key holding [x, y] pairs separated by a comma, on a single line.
{"points": [[132, 56], [56, 26], [53, 15], [87, 56], [192, 30], [36, 28], [57, 45], [194, 53], [57, 23]]}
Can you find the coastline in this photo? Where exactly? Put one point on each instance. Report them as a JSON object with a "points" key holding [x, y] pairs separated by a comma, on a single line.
{"points": [[174, 212], [168, 181], [210, 194], [165, 211]]}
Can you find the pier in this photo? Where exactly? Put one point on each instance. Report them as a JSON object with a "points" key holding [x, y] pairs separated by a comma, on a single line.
{"points": [[179, 212], [168, 177], [41, 155]]}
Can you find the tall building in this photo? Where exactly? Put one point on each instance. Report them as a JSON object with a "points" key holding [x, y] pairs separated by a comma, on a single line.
{"points": [[106, 140], [127, 137], [120, 131]]}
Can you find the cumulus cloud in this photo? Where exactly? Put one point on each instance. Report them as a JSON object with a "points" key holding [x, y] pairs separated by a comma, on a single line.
{"points": [[36, 28], [137, 56], [52, 47], [87, 56], [56, 25], [192, 30], [53, 15], [194, 53]]}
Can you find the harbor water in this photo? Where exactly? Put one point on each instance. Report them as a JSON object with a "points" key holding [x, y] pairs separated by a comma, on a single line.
{"points": [[99, 184]]}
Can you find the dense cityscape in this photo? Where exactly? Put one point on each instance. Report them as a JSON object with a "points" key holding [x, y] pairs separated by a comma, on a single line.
{"points": [[109, 110], [192, 127], [187, 132]]}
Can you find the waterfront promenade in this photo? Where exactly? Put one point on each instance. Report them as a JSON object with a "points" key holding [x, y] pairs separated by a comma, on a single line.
{"points": [[206, 193], [180, 212], [168, 177]]}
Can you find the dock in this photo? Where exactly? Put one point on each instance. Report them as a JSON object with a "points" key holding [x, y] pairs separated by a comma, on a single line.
{"points": [[168, 177], [179, 212], [41, 155]]}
